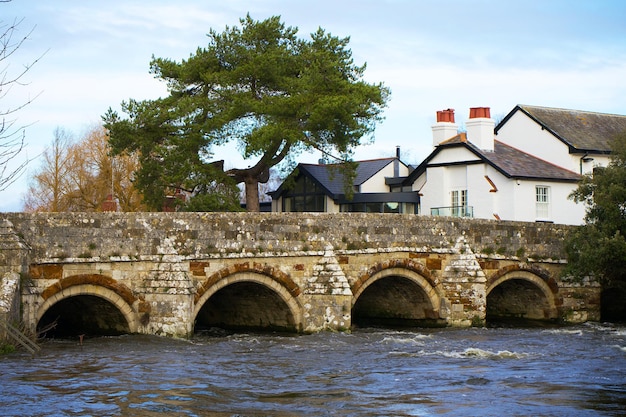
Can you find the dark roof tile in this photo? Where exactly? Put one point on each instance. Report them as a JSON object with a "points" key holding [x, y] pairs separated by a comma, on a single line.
{"points": [[517, 164], [331, 177], [511, 162], [582, 130]]}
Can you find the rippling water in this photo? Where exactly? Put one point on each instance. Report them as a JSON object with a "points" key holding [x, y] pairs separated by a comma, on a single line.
{"points": [[572, 371]]}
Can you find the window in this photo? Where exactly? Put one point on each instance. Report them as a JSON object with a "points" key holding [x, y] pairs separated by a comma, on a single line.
{"points": [[459, 202], [391, 207], [542, 198], [305, 196], [388, 207]]}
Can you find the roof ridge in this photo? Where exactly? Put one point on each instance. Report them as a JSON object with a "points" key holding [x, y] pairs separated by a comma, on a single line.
{"points": [[459, 137], [390, 158], [570, 110]]}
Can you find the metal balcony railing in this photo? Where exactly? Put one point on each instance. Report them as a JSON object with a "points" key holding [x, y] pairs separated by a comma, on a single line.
{"points": [[453, 211]]}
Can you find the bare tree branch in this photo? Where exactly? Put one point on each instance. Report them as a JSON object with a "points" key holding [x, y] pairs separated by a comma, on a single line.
{"points": [[12, 136]]}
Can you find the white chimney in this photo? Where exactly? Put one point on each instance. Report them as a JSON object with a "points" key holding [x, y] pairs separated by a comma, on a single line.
{"points": [[445, 128], [480, 128]]}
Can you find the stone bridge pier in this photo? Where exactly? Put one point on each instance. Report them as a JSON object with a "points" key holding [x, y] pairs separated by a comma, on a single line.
{"points": [[174, 274]]}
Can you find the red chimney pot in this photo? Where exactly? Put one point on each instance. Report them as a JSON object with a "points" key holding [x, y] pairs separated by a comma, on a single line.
{"points": [[476, 112], [445, 116]]}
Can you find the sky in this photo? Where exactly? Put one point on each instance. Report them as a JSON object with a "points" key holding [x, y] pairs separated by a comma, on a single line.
{"points": [[433, 55]]}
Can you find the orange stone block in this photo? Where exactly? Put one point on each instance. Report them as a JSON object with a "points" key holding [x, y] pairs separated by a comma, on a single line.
{"points": [[48, 271], [433, 263], [197, 268]]}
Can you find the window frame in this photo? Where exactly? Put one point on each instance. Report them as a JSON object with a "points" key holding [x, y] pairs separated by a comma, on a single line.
{"points": [[458, 202], [306, 196], [542, 202]]}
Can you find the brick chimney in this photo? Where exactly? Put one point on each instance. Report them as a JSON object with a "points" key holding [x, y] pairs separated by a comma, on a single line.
{"points": [[445, 128], [480, 128], [110, 204]]}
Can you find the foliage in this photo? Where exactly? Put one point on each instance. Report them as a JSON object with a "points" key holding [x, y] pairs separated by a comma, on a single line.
{"points": [[6, 348], [220, 195], [258, 85], [214, 201], [12, 136], [79, 176], [598, 248]]}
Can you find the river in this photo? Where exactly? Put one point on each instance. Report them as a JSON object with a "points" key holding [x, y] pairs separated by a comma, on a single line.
{"points": [[556, 371]]}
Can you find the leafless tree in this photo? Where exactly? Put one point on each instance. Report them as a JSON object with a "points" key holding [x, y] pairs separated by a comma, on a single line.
{"points": [[12, 134], [79, 175]]}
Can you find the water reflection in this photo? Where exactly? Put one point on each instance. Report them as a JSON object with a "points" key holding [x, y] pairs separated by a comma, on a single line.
{"points": [[371, 372]]}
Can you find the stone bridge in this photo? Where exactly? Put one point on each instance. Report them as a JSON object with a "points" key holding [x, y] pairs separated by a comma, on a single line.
{"points": [[177, 273]]}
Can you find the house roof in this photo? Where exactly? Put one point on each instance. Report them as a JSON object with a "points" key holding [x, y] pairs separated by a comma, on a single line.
{"points": [[582, 131], [331, 178], [514, 163], [509, 161]]}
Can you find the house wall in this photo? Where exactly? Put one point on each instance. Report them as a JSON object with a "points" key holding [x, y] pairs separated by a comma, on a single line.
{"points": [[439, 182], [562, 209], [431, 192], [456, 177], [598, 161], [587, 167], [452, 155], [505, 200], [483, 201], [376, 184], [514, 199], [521, 132], [331, 206]]}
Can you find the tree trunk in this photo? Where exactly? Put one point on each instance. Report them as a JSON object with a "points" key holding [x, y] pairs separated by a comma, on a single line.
{"points": [[251, 177], [252, 194]]}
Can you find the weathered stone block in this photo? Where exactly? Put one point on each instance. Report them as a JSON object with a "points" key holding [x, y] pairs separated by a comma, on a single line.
{"points": [[46, 271], [198, 268], [433, 263]]}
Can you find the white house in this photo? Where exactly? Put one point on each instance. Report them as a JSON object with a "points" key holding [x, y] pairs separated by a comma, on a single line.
{"points": [[321, 188], [524, 169], [573, 139]]}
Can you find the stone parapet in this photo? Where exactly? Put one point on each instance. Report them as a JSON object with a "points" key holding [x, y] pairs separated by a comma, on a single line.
{"points": [[134, 236]]}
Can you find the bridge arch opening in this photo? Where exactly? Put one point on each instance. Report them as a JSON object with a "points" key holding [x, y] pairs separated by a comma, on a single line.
{"points": [[247, 302], [520, 298], [396, 297], [85, 310], [612, 306]]}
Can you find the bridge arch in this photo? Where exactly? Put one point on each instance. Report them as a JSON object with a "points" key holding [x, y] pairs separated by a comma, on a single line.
{"points": [[612, 306], [522, 292], [398, 292], [108, 294], [255, 296]]}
